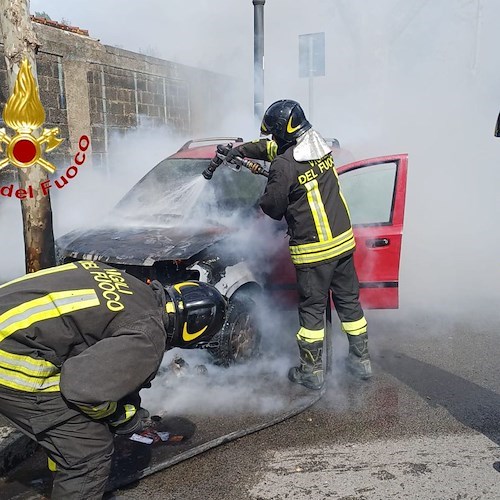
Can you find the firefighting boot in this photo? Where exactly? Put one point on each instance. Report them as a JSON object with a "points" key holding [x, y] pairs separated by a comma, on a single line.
{"points": [[310, 371], [358, 359]]}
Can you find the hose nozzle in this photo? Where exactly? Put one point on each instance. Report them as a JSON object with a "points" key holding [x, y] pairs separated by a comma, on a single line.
{"points": [[216, 161]]}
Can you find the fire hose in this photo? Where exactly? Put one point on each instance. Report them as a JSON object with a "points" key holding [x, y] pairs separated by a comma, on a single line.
{"points": [[292, 412], [238, 161]]}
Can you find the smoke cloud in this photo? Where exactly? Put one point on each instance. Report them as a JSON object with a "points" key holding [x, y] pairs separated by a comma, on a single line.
{"points": [[417, 77]]}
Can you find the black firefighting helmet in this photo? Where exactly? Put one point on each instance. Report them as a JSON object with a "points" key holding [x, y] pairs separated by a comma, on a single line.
{"points": [[196, 313], [285, 120]]}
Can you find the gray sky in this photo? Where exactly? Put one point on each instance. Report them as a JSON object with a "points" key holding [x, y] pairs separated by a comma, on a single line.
{"points": [[416, 76]]}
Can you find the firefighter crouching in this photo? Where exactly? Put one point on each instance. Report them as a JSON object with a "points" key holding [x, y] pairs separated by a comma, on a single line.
{"points": [[77, 344]]}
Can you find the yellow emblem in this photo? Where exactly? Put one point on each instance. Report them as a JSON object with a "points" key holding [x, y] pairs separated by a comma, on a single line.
{"points": [[186, 336], [24, 113], [289, 128]]}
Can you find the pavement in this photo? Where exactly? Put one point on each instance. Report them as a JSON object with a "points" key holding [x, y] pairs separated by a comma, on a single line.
{"points": [[14, 446]]}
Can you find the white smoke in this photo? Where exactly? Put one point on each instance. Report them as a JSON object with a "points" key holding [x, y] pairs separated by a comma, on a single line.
{"points": [[418, 77]]}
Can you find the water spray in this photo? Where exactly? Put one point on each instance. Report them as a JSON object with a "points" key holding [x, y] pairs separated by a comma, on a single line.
{"points": [[238, 162]]}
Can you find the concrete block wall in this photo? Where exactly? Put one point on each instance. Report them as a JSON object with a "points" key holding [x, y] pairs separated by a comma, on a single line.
{"points": [[86, 86]]}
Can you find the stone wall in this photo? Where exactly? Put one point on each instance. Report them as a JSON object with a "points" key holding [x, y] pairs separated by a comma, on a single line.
{"points": [[86, 86]]}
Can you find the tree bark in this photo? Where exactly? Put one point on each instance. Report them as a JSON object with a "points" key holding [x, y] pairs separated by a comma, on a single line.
{"points": [[20, 42]]}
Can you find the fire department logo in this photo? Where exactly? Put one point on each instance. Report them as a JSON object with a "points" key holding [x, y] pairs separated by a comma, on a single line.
{"points": [[24, 113]]}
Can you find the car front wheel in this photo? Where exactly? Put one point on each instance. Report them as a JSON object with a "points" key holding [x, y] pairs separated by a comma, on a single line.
{"points": [[239, 338]]}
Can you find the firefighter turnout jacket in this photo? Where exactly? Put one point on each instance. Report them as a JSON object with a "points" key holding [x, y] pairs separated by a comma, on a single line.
{"points": [[92, 332], [308, 195]]}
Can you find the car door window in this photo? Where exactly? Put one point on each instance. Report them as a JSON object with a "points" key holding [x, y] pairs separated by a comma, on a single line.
{"points": [[369, 193]]}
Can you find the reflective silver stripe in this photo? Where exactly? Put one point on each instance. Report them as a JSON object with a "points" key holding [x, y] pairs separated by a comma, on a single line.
{"points": [[306, 248], [355, 327], [318, 211], [27, 365], [129, 412], [99, 411], [21, 382], [42, 272], [49, 306], [311, 335], [324, 255]]}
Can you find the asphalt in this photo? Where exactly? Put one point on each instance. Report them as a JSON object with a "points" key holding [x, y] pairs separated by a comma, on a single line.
{"points": [[425, 427], [14, 446]]}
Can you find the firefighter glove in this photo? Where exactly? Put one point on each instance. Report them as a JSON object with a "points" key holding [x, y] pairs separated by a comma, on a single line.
{"points": [[128, 420], [233, 153]]}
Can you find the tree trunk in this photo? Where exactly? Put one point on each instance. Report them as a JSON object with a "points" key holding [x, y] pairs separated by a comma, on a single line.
{"points": [[20, 42]]}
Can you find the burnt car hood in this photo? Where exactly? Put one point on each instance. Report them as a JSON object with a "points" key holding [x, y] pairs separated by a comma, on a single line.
{"points": [[135, 245]]}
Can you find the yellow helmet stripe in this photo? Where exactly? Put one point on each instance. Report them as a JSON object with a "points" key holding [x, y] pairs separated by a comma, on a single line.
{"points": [[188, 337], [178, 286]]}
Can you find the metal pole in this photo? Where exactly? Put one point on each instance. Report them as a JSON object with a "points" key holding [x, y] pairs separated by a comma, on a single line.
{"points": [[311, 80], [258, 55]]}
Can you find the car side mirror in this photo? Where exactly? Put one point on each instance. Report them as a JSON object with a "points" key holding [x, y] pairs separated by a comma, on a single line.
{"points": [[497, 128]]}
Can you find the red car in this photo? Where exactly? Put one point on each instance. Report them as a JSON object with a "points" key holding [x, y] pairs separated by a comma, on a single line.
{"points": [[174, 225]]}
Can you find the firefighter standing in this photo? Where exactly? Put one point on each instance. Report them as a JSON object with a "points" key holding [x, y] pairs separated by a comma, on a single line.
{"points": [[303, 187], [77, 343]]}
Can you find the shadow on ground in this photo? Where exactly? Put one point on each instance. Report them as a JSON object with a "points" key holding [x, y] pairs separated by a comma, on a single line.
{"points": [[472, 405]]}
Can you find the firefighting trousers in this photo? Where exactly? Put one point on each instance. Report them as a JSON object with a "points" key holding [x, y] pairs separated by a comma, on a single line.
{"points": [[314, 284], [80, 447]]}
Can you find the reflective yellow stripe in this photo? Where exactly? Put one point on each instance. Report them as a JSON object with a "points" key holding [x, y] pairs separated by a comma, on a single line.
{"points": [[308, 248], [178, 286], [27, 365], [130, 411], [51, 465], [310, 335], [20, 382], [25, 373], [28, 374], [99, 411], [170, 307], [49, 306], [345, 203], [309, 253], [43, 272], [327, 254], [355, 327], [318, 211], [272, 150], [342, 194]]}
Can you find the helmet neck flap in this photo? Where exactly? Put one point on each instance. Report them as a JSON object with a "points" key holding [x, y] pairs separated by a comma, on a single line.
{"points": [[286, 121]]}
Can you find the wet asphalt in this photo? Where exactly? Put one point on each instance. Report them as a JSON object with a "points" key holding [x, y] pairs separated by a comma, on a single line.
{"points": [[426, 426]]}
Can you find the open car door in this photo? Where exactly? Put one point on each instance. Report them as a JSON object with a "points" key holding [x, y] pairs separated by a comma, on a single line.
{"points": [[375, 191]]}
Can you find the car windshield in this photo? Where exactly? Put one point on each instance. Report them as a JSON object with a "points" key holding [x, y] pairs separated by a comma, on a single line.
{"points": [[175, 188]]}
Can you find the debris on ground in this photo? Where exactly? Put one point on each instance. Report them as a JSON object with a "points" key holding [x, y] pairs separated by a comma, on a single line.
{"points": [[181, 368]]}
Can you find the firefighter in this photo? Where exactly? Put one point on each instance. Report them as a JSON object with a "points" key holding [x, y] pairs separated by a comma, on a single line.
{"points": [[77, 344], [303, 187]]}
